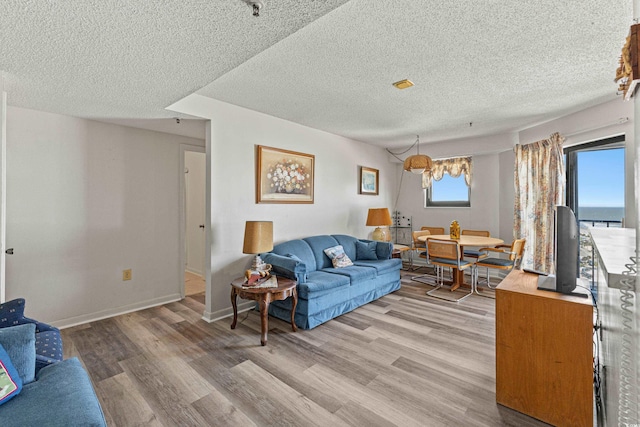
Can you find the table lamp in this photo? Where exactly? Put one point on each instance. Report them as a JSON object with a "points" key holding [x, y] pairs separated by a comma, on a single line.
{"points": [[380, 218], [258, 238]]}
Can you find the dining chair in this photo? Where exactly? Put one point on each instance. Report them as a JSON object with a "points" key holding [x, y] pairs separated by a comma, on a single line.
{"points": [[418, 246], [446, 253], [476, 254], [434, 230], [515, 251]]}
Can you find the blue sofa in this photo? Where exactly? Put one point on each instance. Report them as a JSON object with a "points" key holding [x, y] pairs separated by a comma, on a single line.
{"points": [[41, 391], [60, 396], [48, 339], [325, 292]]}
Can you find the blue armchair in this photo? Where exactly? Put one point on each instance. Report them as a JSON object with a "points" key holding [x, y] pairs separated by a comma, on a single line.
{"points": [[48, 339]]}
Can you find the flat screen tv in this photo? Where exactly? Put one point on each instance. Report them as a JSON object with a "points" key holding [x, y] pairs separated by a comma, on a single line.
{"points": [[567, 252]]}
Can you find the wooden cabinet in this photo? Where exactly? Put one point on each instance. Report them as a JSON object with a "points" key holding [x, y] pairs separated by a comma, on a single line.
{"points": [[544, 352]]}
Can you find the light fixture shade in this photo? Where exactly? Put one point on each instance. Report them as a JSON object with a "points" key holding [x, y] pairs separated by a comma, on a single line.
{"points": [[258, 237], [378, 216], [418, 163]]}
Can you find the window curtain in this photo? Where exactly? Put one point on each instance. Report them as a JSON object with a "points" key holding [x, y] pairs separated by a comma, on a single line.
{"points": [[539, 187], [454, 167]]}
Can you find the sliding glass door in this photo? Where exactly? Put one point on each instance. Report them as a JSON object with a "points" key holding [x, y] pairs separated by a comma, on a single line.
{"points": [[595, 190]]}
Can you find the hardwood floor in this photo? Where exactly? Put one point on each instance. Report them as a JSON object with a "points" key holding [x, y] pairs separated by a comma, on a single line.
{"points": [[405, 360], [193, 284]]}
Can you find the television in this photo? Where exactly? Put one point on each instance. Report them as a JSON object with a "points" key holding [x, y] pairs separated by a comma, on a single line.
{"points": [[567, 253]]}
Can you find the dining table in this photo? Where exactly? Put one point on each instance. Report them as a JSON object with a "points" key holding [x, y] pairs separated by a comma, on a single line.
{"points": [[463, 240]]}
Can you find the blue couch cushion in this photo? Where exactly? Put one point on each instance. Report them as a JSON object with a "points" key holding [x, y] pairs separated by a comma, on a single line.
{"points": [[320, 283], [383, 265], [10, 382], [20, 343], [348, 243], [48, 348], [318, 244], [61, 396], [366, 251], [11, 312], [301, 249], [286, 266], [354, 272]]}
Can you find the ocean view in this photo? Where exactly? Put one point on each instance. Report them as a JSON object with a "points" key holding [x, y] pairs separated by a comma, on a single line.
{"points": [[598, 213]]}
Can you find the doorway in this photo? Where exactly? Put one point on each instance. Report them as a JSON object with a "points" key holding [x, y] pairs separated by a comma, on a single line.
{"points": [[194, 229]]}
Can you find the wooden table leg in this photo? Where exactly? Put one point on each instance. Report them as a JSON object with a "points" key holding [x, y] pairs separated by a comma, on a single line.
{"points": [[293, 309], [458, 279], [264, 317], [234, 295]]}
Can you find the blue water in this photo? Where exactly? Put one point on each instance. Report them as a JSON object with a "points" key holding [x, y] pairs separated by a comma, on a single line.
{"points": [[586, 213]]}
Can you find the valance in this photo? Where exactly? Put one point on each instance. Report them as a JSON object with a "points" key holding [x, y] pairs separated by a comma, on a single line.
{"points": [[454, 167]]}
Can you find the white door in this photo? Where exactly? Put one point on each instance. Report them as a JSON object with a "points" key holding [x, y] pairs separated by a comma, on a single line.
{"points": [[195, 164]]}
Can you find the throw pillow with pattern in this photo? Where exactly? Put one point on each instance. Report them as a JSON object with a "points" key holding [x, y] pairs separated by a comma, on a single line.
{"points": [[338, 257]]}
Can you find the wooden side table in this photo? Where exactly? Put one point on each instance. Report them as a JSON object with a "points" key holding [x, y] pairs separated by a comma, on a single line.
{"points": [[286, 288]]}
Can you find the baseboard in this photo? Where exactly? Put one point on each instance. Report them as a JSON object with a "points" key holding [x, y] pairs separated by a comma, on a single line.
{"points": [[196, 272], [212, 316], [105, 314]]}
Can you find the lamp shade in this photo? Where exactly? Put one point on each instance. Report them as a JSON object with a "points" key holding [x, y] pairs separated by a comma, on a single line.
{"points": [[418, 163], [378, 217], [258, 237]]}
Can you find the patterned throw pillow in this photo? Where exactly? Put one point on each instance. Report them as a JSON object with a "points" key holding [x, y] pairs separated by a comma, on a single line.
{"points": [[338, 257], [10, 382]]}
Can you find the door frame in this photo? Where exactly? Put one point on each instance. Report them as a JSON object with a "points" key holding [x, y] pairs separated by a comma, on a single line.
{"points": [[183, 218], [3, 194]]}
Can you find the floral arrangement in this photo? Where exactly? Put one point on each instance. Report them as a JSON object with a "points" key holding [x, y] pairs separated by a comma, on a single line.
{"points": [[289, 176]]}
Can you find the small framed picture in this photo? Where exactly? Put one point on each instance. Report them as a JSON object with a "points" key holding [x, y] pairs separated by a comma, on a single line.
{"points": [[368, 181], [284, 176]]}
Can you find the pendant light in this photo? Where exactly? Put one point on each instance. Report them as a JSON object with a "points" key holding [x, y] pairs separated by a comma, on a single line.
{"points": [[418, 163]]}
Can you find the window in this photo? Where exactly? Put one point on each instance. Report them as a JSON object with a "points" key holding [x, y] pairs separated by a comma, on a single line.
{"points": [[448, 184], [448, 192]]}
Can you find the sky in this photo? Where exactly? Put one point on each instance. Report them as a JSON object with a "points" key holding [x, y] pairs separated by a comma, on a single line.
{"points": [[601, 178], [450, 189]]}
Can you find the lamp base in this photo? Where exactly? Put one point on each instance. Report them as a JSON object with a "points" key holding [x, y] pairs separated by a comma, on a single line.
{"points": [[381, 234], [258, 264]]}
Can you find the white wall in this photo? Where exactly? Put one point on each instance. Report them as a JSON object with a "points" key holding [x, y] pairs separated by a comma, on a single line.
{"points": [[507, 196], [86, 200], [338, 208], [484, 213]]}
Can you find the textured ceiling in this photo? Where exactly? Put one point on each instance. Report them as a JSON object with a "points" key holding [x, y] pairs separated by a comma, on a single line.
{"points": [[132, 58], [501, 65]]}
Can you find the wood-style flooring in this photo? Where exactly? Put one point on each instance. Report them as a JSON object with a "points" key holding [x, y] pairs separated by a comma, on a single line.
{"points": [[193, 284], [404, 360]]}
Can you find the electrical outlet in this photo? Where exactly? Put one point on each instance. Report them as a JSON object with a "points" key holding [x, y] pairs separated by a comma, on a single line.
{"points": [[126, 274]]}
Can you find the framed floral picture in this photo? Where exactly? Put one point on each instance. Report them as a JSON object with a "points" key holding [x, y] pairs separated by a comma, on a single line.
{"points": [[284, 176], [368, 181]]}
